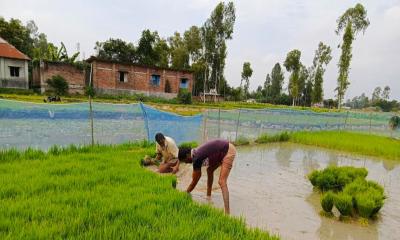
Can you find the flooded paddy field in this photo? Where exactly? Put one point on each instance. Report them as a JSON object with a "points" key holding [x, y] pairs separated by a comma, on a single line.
{"points": [[269, 188]]}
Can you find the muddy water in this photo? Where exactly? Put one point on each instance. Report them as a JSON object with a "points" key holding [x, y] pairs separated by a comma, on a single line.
{"points": [[269, 189]]}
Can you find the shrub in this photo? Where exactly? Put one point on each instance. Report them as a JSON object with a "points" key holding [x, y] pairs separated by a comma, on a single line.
{"points": [[184, 96], [327, 201], [58, 84], [344, 203], [242, 140]]}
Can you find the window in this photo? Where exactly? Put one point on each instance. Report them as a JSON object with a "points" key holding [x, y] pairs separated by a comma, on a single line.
{"points": [[14, 71], [155, 80], [123, 77], [184, 83]]}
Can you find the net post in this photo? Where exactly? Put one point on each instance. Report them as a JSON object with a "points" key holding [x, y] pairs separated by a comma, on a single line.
{"points": [[205, 126], [219, 122], [146, 120], [237, 126]]}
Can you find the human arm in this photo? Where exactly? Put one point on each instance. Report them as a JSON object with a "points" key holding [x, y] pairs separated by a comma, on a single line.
{"points": [[195, 179], [175, 169]]}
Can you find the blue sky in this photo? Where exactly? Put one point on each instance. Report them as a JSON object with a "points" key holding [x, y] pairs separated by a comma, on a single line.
{"points": [[264, 32]]}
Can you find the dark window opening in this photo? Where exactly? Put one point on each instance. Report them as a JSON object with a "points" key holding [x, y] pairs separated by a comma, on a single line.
{"points": [[123, 76], [184, 83], [14, 71], [155, 80]]}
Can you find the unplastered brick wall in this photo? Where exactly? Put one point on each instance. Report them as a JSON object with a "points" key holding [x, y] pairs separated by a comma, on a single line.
{"points": [[107, 75], [74, 76]]}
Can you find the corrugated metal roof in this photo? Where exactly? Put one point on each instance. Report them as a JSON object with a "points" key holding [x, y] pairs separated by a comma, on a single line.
{"points": [[9, 51]]}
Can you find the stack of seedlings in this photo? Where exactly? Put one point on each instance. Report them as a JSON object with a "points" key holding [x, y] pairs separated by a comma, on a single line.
{"points": [[346, 189]]}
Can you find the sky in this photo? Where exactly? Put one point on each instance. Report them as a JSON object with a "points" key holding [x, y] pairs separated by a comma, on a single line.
{"points": [[265, 31]]}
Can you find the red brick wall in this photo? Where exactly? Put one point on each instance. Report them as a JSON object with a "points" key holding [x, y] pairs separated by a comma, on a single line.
{"points": [[106, 76], [74, 76]]}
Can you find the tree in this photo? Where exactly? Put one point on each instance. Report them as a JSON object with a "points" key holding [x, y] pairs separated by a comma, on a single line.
{"points": [[277, 79], [15, 33], [193, 43], [376, 95], [163, 51], [179, 52], [353, 21], [145, 52], [216, 30], [386, 93], [59, 85], [322, 57], [246, 74], [116, 50], [267, 86], [293, 65]]}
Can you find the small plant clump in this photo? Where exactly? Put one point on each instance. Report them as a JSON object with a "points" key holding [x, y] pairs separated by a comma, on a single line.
{"points": [[348, 191], [335, 178], [327, 201], [241, 140], [189, 144], [265, 138]]}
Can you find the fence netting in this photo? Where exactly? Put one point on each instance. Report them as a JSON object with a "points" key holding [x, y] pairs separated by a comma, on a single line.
{"points": [[180, 128], [250, 123], [24, 125]]}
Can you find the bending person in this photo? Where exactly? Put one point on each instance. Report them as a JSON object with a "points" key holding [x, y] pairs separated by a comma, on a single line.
{"points": [[212, 154], [167, 152]]}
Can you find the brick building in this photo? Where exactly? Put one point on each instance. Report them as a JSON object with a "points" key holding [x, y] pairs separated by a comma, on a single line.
{"points": [[115, 78], [110, 77], [72, 74]]}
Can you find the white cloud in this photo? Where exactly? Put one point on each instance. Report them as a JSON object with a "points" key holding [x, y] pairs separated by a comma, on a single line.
{"points": [[265, 31]]}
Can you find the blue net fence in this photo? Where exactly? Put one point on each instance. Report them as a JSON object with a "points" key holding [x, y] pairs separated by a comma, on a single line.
{"points": [[24, 125], [181, 128], [250, 123]]}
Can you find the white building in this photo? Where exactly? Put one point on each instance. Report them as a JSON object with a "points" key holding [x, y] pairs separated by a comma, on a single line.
{"points": [[13, 67]]}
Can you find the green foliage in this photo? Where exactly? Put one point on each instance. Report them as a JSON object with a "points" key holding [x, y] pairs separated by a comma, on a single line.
{"points": [[241, 140], [115, 50], [344, 204], [277, 78], [184, 96], [145, 52], [352, 21], [58, 84], [90, 91], [103, 192], [327, 201], [280, 137], [335, 178], [360, 143], [293, 65], [246, 74], [189, 144], [322, 57]]}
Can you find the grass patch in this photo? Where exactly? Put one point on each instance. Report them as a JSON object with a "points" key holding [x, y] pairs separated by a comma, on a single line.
{"points": [[360, 143], [280, 137], [102, 192], [241, 141]]}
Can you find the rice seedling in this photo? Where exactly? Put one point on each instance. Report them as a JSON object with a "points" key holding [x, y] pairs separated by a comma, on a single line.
{"points": [[280, 137], [102, 192], [366, 144], [327, 201], [189, 144], [344, 203]]}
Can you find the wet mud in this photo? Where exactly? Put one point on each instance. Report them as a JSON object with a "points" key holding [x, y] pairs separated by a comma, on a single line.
{"points": [[269, 188]]}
